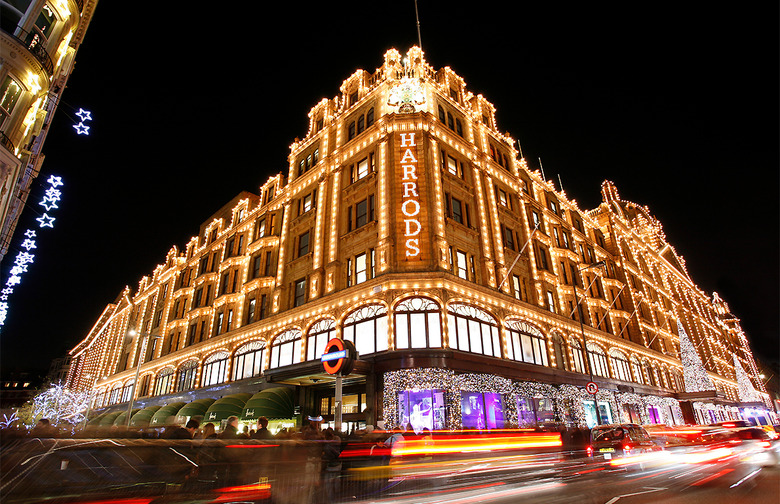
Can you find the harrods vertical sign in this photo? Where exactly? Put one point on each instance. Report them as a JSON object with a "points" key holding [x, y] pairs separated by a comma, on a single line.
{"points": [[411, 212]]}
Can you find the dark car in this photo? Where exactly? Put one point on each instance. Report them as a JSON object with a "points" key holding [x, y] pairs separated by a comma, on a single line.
{"points": [[610, 441]]}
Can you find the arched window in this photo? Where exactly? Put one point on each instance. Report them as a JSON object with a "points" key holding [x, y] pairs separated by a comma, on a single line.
{"points": [[97, 402], [525, 343], [598, 360], [442, 115], [370, 117], [162, 383], [214, 369], [559, 350], [620, 365], [472, 330], [286, 349], [318, 336], [366, 328], [114, 396], [637, 369], [417, 324], [649, 373], [576, 353], [248, 360], [667, 379], [677, 380], [127, 390], [185, 376]]}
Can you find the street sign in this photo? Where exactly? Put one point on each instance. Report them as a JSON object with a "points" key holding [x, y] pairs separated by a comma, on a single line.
{"points": [[591, 388], [339, 357]]}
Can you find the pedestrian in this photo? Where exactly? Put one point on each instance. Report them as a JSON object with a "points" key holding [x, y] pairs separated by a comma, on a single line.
{"points": [[231, 429], [208, 432], [262, 432], [43, 429]]}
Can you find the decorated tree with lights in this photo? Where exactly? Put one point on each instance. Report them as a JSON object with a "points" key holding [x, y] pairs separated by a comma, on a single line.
{"points": [[63, 408], [694, 372], [747, 392]]}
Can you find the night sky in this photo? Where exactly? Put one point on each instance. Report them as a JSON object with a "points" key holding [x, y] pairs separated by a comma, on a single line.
{"points": [[677, 105]]}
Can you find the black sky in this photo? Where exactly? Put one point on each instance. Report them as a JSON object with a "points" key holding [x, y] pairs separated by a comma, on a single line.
{"points": [[676, 104]]}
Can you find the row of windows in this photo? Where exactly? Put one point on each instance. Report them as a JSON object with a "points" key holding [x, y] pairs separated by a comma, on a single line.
{"points": [[417, 324]]}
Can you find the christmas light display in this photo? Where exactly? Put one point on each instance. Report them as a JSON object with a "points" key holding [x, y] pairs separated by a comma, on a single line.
{"points": [[747, 392], [694, 373], [24, 258], [64, 408], [81, 128]]}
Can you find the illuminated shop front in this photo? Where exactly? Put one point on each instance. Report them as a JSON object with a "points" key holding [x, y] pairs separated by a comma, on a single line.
{"points": [[476, 294]]}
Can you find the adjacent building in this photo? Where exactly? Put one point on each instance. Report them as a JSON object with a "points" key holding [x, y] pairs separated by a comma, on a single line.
{"points": [[476, 293], [38, 44]]}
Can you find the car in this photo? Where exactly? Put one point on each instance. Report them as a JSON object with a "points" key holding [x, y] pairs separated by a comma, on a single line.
{"points": [[617, 440], [755, 445], [731, 424]]}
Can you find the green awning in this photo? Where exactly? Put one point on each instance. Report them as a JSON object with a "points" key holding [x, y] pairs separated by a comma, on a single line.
{"points": [[229, 405], [108, 420], [96, 420], [273, 403], [143, 417], [121, 419], [164, 414], [197, 407]]}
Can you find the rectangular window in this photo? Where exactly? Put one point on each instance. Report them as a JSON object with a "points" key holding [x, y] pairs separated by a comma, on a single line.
{"points": [[362, 168], [462, 265], [536, 218], [457, 211], [542, 258], [452, 165], [261, 228], [509, 238], [503, 200], [256, 266], [360, 269], [516, 286], [550, 301], [220, 317], [268, 263], [303, 244], [250, 311], [300, 292], [361, 213]]}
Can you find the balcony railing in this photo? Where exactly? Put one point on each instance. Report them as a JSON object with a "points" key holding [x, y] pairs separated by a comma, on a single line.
{"points": [[34, 43], [6, 142]]}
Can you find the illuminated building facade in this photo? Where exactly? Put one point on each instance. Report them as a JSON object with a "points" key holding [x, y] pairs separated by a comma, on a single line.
{"points": [[38, 44], [409, 225]]}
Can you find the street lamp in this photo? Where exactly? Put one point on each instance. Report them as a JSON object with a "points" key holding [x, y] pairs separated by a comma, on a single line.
{"points": [[133, 332], [584, 341]]}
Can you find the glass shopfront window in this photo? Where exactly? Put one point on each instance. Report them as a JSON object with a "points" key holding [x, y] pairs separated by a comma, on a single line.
{"points": [[590, 413], [482, 411], [422, 409]]}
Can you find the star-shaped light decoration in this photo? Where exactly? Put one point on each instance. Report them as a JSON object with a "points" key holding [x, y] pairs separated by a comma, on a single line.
{"points": [[81, 128], [30, 233], [28, 244], [55, 181], [84, 115], [48, 204], [45, 220], [23, 258]]}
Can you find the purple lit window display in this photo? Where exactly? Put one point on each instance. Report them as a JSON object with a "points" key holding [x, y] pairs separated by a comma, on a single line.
{"points": [[482, 411], [494, 410], [422, 409]]}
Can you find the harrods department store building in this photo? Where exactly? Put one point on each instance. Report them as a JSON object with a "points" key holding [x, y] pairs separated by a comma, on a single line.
{"points": [[409, 225]]}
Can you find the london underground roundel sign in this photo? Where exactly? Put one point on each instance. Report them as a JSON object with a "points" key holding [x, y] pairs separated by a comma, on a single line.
{"points": [[339, 357]]}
